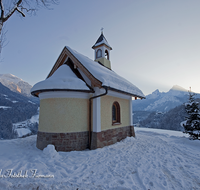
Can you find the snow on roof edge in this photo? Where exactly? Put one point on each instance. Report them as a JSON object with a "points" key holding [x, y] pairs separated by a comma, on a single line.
{"points": [[101, 43], [121, 91], [34, 93]]}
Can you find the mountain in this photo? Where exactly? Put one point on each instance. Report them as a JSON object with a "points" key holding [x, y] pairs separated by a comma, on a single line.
{"points": [[162, 110], [14, 108], [162, 101], [170, 120], [16, 84]]}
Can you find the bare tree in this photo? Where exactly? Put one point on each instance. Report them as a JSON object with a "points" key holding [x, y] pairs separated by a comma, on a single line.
{"points": [[9, 7]]}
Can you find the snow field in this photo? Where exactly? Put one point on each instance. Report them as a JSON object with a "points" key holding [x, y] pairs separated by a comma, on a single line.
{"points": [[155, 159]]}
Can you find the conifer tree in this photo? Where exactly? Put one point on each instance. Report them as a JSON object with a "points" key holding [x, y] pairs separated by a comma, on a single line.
{"points": [[192, 122]]}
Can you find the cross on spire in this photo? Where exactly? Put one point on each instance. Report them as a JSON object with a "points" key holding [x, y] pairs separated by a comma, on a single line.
{"points": [[102, 30]]}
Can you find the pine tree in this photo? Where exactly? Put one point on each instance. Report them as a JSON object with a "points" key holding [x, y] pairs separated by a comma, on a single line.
{"points": [[192, 122]]}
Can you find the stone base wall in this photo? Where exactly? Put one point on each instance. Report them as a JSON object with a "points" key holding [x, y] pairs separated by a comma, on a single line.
{"points": [[79, 140], [111, 136], [63, 141]]}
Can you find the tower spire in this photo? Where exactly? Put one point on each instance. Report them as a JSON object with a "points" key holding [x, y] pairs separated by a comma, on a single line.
{"points": [[102, 30]]}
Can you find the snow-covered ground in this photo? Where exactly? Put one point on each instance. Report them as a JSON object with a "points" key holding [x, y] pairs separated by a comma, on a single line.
{"points": [[155, 160], [4, 107]]}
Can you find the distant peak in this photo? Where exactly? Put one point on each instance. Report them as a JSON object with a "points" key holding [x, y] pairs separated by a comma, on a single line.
{"points": [[11, 76], [178, 88], [15, 84], [156, 91], [8, 74]]}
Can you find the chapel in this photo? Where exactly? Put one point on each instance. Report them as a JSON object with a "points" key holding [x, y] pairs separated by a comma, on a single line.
{"points": [[83, 102]]}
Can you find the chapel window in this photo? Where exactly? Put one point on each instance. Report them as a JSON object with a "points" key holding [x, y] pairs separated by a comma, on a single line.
{"points": [[115, 113]]}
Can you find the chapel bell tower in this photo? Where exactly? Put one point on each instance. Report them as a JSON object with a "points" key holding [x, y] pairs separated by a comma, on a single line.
{"points": [[102, 51]]}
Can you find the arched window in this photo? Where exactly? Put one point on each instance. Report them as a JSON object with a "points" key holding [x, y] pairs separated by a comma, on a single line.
{"points": [[107, 55], [115, 113], [99, 53]]}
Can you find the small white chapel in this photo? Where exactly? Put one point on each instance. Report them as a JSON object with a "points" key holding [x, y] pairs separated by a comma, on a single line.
{"points": [[84, 103]]}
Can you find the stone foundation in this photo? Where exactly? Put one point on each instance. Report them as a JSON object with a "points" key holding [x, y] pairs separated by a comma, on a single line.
{"points": [[63, 141], [79, 140], [111, 136]]}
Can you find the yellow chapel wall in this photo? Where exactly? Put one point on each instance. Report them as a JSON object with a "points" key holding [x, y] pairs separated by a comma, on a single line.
{"points": [[62, 115], [106, 112]]}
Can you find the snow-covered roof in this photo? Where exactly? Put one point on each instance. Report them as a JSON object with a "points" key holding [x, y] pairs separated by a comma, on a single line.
{"points": [[101, 40], [63, 78], [108, 77]]}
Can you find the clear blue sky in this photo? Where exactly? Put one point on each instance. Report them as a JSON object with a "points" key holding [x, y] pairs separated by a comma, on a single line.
{"points": [[156, 44]]}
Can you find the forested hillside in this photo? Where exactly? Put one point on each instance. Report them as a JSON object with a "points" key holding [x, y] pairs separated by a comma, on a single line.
{"points": [[14, 108]]}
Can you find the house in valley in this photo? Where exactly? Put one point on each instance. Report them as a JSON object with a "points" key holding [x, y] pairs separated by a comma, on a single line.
{"points": [[84, 103]]}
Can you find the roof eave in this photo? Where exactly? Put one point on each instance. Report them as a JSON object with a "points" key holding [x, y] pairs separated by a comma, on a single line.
{"points": [[94, 46], [127, 93], [37, 92]]}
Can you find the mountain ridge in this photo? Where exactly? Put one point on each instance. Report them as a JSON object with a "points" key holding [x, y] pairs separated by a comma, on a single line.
{"points": [[162, 101], [16, 84], [162, 110]]}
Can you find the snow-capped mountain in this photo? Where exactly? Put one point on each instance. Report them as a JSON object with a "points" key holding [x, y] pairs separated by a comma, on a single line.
{"points": [[15, 84], [162, 101]]}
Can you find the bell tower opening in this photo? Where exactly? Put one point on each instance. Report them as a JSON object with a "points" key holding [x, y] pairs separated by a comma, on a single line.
{"points": [[107, 55], [98, 53]]}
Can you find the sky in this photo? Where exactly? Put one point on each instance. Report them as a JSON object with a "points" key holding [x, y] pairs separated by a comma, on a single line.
{"points": [[156, 44]]}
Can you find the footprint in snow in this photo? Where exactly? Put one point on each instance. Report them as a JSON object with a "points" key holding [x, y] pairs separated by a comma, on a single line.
{"points": [[63, 174], [121, 182]]}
